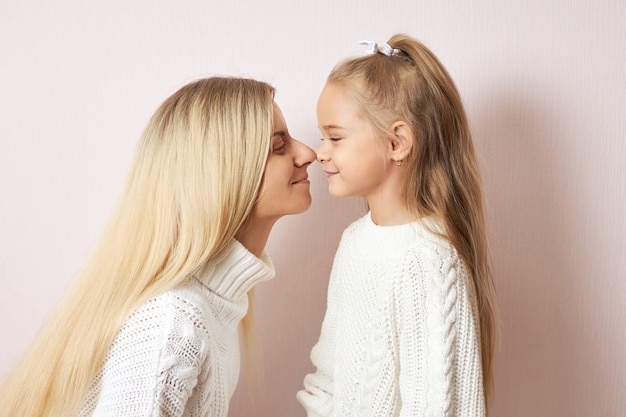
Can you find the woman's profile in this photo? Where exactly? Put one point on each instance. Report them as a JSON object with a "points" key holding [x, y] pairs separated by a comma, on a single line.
{"points": [[150, 326]]}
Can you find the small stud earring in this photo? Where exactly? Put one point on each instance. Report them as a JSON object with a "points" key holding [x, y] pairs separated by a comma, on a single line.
{"points": [[399, 163]]}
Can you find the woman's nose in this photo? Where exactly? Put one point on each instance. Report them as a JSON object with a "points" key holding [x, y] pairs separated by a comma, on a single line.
{"points": [[303, 155]]}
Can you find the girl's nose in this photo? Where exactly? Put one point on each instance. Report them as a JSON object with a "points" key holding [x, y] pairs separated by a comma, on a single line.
{"points": [[322, 154]]}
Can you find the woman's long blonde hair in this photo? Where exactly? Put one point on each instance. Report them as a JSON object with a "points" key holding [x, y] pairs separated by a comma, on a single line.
{"points": [[194, 180], [442, 173]]}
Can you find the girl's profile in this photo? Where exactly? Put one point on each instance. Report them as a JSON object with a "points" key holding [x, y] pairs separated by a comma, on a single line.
{"points": [[409, 327]]}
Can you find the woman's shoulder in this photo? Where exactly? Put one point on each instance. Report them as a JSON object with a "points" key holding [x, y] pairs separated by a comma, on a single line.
{"points": [[176, 310], [162, 343]]}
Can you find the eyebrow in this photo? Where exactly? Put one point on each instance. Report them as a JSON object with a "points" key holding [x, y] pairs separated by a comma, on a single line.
{"points": [[326, 127], [280, 133]]}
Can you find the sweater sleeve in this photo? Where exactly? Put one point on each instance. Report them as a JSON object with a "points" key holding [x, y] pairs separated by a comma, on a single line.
{"points": [[153, 365], [178, 373], [317, 396], [426, 317]]}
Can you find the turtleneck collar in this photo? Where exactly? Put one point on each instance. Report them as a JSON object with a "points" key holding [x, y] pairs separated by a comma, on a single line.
{"points": [[235, 271]]}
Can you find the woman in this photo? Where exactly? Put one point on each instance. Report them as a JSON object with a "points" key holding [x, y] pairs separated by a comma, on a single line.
{"points": [[150, 326]]}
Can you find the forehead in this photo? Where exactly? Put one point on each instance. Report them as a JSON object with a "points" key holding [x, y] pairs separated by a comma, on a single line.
{"points": [[336, 104], [279, 119], [335, 94]]}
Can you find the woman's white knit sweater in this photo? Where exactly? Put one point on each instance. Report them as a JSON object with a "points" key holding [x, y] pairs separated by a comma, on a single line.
{"points": [[401, 332], [178, 355]]}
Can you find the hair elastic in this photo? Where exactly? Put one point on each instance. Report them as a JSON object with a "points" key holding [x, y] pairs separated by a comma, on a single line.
{"points": [[384, 49]]}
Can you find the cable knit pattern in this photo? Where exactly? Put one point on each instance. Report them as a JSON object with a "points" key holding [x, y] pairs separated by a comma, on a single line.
{"points": [[178, 355], [401, 335]]}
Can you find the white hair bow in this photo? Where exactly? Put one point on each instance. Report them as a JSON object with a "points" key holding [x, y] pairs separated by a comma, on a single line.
{"points": [[384, 49]]}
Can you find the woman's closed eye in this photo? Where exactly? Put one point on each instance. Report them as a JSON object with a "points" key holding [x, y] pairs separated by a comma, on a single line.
{"points": [[279, 147]]}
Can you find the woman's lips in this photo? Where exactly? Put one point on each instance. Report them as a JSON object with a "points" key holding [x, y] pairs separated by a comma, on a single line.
{"points": [[304, 180]]}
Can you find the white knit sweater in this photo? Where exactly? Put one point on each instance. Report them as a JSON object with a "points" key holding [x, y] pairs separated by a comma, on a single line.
{"points": [[401, 332], [178, 355]]}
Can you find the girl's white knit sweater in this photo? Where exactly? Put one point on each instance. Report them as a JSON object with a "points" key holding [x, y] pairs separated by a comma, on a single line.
{"points": [[179, 353], [401, 331]]}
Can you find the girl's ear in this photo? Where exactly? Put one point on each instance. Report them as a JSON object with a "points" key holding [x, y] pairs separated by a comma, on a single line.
{"points": [[401, 140]]}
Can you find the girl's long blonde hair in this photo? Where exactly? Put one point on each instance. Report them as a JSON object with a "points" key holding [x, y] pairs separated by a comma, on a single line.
{"points": [[442, 173], [194, 180]]}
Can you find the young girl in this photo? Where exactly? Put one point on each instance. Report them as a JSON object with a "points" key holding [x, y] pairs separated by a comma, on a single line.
{"points": [[409, 326], [150, 326]]}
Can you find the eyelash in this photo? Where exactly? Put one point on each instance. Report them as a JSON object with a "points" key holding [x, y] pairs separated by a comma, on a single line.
{"points": [[331, 139]]}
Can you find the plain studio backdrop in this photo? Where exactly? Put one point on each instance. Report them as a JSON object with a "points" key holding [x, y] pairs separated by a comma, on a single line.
{"points": [[543, 83]]}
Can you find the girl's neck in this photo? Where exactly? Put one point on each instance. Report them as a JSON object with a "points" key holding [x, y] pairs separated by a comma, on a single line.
{"points": [[387, 202], [389, 212]]}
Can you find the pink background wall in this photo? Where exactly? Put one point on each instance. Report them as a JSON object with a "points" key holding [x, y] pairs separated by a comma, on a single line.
{"points": [[544, 86]]}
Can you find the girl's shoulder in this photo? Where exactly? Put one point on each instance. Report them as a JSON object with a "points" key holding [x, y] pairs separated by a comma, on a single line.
{"points": [[431, 234]]}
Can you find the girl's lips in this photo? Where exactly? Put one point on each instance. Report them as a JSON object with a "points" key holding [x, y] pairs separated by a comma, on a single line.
{"points": [[330, 174]]}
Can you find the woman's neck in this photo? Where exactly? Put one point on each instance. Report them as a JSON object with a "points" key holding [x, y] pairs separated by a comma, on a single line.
{"points": [[254, 233]]}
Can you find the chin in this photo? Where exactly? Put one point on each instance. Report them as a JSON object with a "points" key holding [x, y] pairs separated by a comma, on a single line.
{"points": [[302, 207], [338, 193], [305, 206]]}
